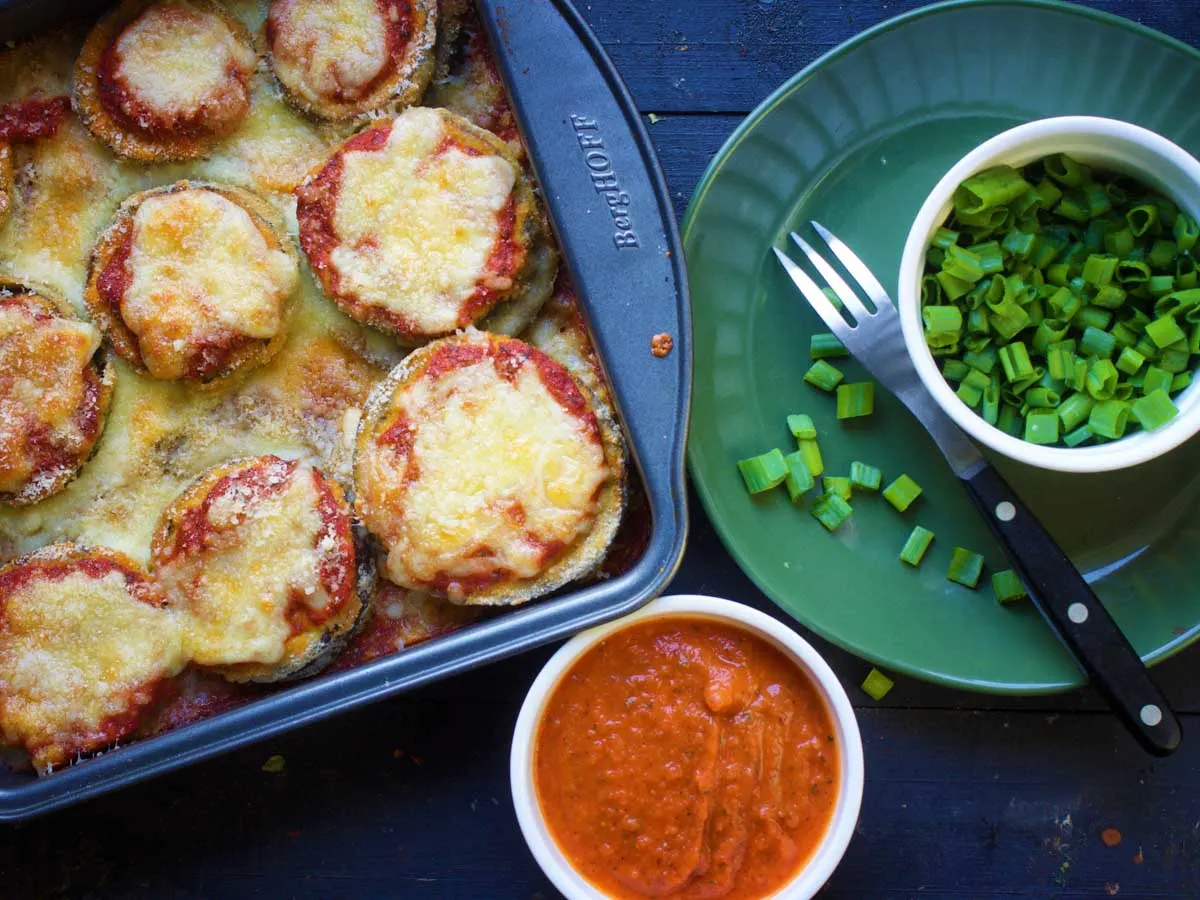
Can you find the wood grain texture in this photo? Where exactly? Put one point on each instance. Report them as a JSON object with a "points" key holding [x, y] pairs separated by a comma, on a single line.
{"points": [[968, 796]]}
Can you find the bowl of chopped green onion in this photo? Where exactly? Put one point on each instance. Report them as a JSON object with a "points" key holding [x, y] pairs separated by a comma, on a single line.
{"points": [[1049, 294]]}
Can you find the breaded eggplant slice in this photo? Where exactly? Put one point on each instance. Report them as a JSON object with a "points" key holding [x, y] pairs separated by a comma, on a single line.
{"points": [[193, 281], [160, 81], [260, 559], [425, 224], [337, 59], [86, 646], [55, 389], [489, 476]]}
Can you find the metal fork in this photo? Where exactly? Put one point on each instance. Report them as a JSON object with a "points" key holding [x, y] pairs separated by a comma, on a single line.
{"points": [[1057, 588]]}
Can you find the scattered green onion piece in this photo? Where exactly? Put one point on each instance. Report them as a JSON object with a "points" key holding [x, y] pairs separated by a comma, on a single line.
{"points": [[826, 346], [914, 548], [1042, 398], [1099, 270], [865, 477], [1041, 426], [837, 484], [810, 452], [1159, 285], [991, 257], [1174, 359], [902, 492], [1181, 381], [1092, 317], [763, 472], [1109, 418], [963, 264], [1007, 587], [1014, 359], [1154, 410], [831, 510], [877, 685], [1124, 335], [855, 400], [985, 360], [799, 480], [802, 427], [824, 376], [1048, 192], [1109, 297], [965, 567], [1177, 303], [1018, 242]]}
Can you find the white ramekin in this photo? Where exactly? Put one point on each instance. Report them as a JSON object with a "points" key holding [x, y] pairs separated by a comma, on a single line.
{"points": [[841, 827], [1101, 143]]}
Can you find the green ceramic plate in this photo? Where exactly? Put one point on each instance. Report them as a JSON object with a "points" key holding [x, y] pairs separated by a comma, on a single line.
{"points": [[856, 141]]}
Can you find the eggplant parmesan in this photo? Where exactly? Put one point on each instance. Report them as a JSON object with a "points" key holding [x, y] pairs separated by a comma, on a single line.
{"points": [[85, 647], [259, 559], [55, 389], [425, 224], [192, 281], [486, 472], [164, 81], [337, 59]]}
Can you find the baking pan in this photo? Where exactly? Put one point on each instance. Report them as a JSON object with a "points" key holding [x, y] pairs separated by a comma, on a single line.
{"points": [[609, 204]]}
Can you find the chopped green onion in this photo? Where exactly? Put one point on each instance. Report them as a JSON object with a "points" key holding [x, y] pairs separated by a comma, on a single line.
{"points": [[1186, 232], [1130, 361], [902, 492], [824, 376], [811, 454], [877, 685], [986, 190], [1079, 436], [837, 484], [826, 346], [1156, 379], [1109, 418], [1142, 218], [1096, 343], [965, 567], [801, 427], [799, 480], [1074, 411], [1165, 331], [1099, 270], [1180, 381], [955, 369], [763, 472], [943, 325], [916, 545], [1154, 410], [866, 477], [855, 400], [1007, 587], [831, 511], [1102, 379], [1014, 359], [1041, 426]]}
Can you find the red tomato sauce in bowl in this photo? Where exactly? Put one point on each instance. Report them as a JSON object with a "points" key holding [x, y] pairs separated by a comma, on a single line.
{"points": [[684, 757]]}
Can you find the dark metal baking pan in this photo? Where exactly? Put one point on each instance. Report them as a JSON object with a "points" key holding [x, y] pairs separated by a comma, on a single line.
{"points": [[609, 203]]}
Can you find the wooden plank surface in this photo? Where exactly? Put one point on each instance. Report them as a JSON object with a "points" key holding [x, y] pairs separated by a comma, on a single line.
{"points": [[968, 796]]}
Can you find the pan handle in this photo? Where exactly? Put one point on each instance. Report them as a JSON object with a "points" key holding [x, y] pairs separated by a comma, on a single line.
{"points": [[609, 203]]}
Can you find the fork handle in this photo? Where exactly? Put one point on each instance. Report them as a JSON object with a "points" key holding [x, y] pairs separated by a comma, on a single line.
{"points": [[1075, 613]]}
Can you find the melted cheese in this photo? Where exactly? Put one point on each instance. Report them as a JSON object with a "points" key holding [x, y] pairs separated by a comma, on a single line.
{"points": [[42, 366], [328, 49], [483, 448], [65, 191], [200, 265], [234, 596], [417, 229], [74, 653], [177, 60]]}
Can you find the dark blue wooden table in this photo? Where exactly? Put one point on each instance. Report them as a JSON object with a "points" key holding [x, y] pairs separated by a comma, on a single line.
{"points": [[967, 796]]}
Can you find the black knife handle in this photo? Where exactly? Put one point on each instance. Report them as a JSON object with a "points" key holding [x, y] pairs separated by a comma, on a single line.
{"points": [[1076, 614], [611, 211]]}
